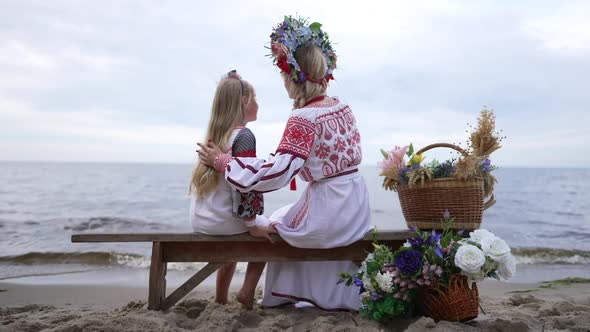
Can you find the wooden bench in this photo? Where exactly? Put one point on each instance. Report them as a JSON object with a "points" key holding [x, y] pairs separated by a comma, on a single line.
{"points": [[218, 250]]}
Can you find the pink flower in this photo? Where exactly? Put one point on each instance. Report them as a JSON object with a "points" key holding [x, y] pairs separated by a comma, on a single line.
{"points": [[386, 164], [403, 284], [397, 295], [420, 281], [395, 273], [398, 153], [427, 282]]}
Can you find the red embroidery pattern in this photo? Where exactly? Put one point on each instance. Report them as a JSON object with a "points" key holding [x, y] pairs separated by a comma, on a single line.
{"points": [[302, 212], [247, 153], [298, 137], [322, 150], [306, 174], [339, 141]]}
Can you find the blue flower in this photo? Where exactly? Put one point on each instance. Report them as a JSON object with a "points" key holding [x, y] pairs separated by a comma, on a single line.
{"points": [[358, 282], [408, 262], [416, 242], [434, 237], [486, 165], [438, 251]]}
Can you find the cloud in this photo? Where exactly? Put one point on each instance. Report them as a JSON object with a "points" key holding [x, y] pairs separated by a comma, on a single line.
{"points": [[565, 30], [137, 78]]}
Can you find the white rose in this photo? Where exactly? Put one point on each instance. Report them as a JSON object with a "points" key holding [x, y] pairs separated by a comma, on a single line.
{"points": [[495, 248], [479, 235], [507, 268], [384, 281], [469, 258]]}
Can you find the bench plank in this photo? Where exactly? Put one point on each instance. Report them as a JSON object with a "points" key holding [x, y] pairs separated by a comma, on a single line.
{"points": [[197, 237], [264, 251]]}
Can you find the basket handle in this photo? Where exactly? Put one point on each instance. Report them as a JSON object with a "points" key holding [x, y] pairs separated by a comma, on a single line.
{"points": [[443, 145], [491, 201]]}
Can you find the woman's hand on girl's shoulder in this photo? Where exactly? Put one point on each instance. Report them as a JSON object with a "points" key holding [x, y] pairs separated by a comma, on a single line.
{"points": [[208, 153]]}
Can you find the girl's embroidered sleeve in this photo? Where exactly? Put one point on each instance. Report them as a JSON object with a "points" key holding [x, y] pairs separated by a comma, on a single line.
{"points": [[246, 205], [248, 174]]}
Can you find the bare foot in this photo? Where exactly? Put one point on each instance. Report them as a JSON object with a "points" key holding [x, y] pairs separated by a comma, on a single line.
{"points": [[218, 301], [247, 300]]}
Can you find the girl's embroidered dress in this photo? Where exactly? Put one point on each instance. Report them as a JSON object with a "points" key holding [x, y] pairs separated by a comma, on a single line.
{"points": [[321, 143], [224, 211]]}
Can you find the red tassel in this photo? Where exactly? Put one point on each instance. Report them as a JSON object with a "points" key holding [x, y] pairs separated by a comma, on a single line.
{"points": [[293, 184]]}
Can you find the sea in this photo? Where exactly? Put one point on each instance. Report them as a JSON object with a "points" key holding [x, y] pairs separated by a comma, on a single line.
{"points": [[542, 213]]}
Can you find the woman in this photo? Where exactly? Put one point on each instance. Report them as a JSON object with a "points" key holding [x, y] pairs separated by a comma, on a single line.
{"points": [[321, 143]]}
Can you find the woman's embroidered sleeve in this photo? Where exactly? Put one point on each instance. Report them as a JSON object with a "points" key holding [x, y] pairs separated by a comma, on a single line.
{"points": [[246, 205], [247, 174]]}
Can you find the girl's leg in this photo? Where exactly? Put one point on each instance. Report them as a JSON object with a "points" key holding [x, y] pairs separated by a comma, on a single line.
{"points": [[224, 276], [246, 294]]}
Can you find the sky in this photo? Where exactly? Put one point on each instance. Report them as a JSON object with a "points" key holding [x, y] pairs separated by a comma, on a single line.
{"points": [[133, 81]]}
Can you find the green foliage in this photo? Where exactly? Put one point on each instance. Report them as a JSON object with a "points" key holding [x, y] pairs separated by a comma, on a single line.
{"points": [[315, 26], [385, 308]]}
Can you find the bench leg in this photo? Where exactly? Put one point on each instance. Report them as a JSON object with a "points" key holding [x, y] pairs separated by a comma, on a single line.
{"points": [[157, 291], [189, 285]]}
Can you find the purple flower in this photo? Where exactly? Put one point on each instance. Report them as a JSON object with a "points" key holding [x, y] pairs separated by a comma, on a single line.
{"points": [[358, 282], [375, 296], [418, 241], [438, 251], [408, 262], [446, 215], [486, 165], [434, 237]]}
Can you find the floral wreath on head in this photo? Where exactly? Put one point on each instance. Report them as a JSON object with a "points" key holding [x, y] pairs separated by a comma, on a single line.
{"points": [[293, 33]]}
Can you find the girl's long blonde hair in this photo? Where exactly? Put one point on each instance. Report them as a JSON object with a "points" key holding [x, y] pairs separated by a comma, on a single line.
{"points": [[311, 60], [227, 112]]}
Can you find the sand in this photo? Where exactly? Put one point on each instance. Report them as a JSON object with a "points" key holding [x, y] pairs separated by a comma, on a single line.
{"points": [[508, 307]]}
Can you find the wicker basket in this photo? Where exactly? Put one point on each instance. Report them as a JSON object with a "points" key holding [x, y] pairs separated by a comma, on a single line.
{"points": [[423, 205], [454, 302]]}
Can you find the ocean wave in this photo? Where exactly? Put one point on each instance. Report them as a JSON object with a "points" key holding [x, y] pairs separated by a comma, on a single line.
{"points": [[550, 256], [535, 256], [90, 258], [99, 258], [112, 223]]}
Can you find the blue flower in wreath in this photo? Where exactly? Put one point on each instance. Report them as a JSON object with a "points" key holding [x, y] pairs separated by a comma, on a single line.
{"points": [[408, 262]]}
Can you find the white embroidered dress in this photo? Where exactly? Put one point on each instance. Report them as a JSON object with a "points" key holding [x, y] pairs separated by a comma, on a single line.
{"points": [[216, 212], [321, 143]]}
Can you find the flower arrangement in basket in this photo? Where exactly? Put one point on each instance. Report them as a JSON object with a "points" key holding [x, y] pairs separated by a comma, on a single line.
{"points": [[434, 273], [459, 185]]}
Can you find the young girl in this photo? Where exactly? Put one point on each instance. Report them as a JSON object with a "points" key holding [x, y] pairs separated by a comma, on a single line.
{"points": [[215, 208], [322, 144]]}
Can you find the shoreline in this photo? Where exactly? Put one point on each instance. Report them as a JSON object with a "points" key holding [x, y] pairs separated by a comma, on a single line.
{"points": [[108, 306]]}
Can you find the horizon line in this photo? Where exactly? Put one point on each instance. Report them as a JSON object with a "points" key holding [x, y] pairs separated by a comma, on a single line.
{"points": [[191, 163]]}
